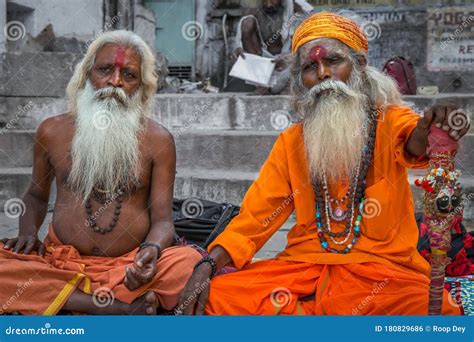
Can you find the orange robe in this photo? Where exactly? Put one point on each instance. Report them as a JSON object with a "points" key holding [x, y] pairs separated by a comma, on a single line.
{"points": [[35, 285], [385, 254]]}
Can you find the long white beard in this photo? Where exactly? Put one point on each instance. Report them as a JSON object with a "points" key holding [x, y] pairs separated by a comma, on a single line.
{"points": [[335, 131], [105, 147]]}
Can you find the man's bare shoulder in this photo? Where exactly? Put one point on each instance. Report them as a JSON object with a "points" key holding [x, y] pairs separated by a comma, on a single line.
{"points": [[159, 139], [158, 133], [51, 128]]}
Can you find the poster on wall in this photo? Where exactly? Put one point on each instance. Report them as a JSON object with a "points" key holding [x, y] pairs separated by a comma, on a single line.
{"points": [[450, 39], [361, 3]]}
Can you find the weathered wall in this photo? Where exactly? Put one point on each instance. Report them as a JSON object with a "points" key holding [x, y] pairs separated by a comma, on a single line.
{"points": [[70, 18], [416, 29]]}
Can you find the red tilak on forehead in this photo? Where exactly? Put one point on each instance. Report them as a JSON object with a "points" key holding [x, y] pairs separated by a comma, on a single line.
{"points": [[120, 56], [317, 53]]}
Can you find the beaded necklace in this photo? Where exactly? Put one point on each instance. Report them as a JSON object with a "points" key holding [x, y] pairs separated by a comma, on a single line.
{"points": [[355, 196]]}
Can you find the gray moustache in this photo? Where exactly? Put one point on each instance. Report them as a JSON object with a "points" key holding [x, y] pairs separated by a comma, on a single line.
{"points": [[328, 87], [114, 93]]}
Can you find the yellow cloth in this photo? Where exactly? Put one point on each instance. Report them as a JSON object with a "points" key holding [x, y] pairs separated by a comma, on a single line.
{"points": [[330, 25]]}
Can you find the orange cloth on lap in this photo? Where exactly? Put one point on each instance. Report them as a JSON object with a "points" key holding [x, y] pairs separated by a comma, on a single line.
{"points": [[276, 286], [388, 240], [38, 285]]}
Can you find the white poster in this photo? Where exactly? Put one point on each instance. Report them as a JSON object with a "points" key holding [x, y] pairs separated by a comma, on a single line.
{"points": [[451, 39]]}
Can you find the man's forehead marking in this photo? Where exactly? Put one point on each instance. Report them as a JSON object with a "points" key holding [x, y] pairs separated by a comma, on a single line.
{"points": [[317, 53], [120, 56]]}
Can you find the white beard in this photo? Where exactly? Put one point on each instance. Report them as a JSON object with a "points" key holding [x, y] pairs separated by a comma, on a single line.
{"points": [[335, 130], [105, 147]]}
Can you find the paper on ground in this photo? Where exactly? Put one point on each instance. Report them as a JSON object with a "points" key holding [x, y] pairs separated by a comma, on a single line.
{"points": [[254, 69]]}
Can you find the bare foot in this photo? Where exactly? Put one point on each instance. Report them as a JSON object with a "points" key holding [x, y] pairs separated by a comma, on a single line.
{"points": [[145, 305]]}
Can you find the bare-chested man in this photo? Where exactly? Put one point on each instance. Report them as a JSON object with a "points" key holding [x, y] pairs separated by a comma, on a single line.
{"points": [[109, 247], [266, 32]]}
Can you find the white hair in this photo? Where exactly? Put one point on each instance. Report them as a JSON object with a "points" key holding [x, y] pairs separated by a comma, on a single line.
{"points": [[82, 71]]}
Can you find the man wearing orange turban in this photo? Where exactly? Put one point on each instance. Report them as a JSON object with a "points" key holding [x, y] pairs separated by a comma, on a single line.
{"points": [[343, 171]]}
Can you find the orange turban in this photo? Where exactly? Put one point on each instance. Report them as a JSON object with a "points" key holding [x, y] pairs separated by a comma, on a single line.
{"points": [[330, 25]]}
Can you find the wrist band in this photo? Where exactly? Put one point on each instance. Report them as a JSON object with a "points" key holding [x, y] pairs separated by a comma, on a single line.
{"points": [[151, 244], [211, 261]]}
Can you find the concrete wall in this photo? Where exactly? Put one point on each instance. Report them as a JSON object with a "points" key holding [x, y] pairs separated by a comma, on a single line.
{"points": [[397, 27], [70, 18]]}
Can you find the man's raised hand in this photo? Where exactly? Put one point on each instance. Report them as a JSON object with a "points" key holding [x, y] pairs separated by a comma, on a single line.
{"points": [[450, 118]]}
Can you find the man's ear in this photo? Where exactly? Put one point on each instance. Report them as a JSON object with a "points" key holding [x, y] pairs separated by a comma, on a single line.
{"points": [[361, 60]]}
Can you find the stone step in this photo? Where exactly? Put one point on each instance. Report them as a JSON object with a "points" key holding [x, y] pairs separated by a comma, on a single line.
{"points": [[207, 149], [185, 112], [215, 185], [236, 150]]}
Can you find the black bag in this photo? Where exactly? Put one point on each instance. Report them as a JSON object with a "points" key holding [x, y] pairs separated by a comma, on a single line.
{"points": [[199, 221]]}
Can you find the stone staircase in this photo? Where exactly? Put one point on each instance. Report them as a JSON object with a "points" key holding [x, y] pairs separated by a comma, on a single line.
{"points": [[222, 140]]}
